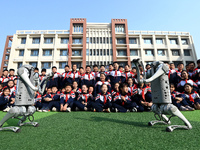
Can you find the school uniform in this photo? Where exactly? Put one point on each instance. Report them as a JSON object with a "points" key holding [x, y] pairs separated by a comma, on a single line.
{"points": [[74, 76], [180, 85], [55, 81], [41, 78], [192, 98], [195, 73], [198, 84], [77, 92], [12, 77], [132, 89], [175, 94], [129, 74], [86, 98], [102, 101], [96, 74], [5, 101], [172, 75], [12, 90], [4, 80], [142, 94], [38, 100], [67, 98], [88, 79], [190, 73], [97, 88], [115, 76], [54, 103], [122, 106]]}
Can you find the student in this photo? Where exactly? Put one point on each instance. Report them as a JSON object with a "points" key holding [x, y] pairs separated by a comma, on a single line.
{"points": [[88, 78], [15, 82], [11, 87], [4, 78], [98, 85], [115, 91], [36, 70], [6, 100], [85, 100], [116, 76], [172, 74], [128, 73], [11, 75], [122, 102], [51, 100], [132, 85], [56, 79], [1, 89], [65, 77], [43, 74], [196, 71], [191, 67], [74, 75], [185, 79], [198, 81], [178, 99], [192, 96], [67, 99], [38, 101], [180, 69], [134, 71], [76, 89], [121, 68], [91, 89], [103, 100], [81, 71], [95, 71], [142, 96], [102, 70]]}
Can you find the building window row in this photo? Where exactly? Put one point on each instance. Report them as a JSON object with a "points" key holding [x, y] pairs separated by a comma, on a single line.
{"points": [[173, 41], [99, 40], [119, 28], [91, 63], [99, 52], [78, 28]]}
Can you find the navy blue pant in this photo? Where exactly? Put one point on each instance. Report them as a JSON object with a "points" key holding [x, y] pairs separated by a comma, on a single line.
{"points": [[99, 106], [138, 98], [81, 106], [3, 104], [192, 103], [123, 108], [38, 104], [54, 104], [69, 102]]}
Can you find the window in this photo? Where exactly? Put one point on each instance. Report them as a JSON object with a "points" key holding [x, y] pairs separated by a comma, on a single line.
{"points": [[147, 41], [87, 40], [111, 52], [87, 62], [76, 53], [100, 40], [8, 51], [9, 43], [47, 52], [36, 41], [97, 52], [104, 40], [78, 28], [108, 52], [173, 41], [161, 52], [107, 39], [159, 41], [149, 52], [104, 52], [34, 64], [34, 52], [19, 64], [7, 57], [110, 40], [77, 41], [90, 63], [97, 40], [122, 64], [5, 63], [186, 52], [184, 41], [101, 52], [23, 40], [87, 52], [94, 52], [46, 65], [64, 40], [62, 65], [90, 52], [63, 52], [90, 40], [175, 53], [48, 40], [121, 41], [121, 52], [21, 52], [119, 28], [132, 41], [94, 41], [78, 64], [133, 52]]}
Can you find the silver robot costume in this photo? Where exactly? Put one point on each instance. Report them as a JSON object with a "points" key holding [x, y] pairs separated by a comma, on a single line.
{"points": [[27, 84], [161, 96]]}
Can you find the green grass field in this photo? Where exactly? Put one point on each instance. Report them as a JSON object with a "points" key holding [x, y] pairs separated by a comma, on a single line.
{"points": [[89, 130]]}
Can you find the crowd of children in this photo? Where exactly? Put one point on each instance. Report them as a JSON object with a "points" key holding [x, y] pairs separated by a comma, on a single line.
{"points": [[115, 90]]}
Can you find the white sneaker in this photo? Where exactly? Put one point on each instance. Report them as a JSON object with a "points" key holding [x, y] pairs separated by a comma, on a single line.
{"points": [[6, 109], [116, 110], [68, 109], [54, 109]]}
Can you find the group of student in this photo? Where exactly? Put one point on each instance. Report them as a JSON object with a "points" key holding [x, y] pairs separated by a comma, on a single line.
{"points": [[115, 90]]}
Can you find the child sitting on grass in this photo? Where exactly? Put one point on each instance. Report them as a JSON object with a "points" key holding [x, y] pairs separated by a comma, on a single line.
{"points": [[115, 91], [103, 100], [67, 99], [1, 89], [132, 86], [84, 100], [179, 100], [76, 90], [192, 96], [6, 100]]}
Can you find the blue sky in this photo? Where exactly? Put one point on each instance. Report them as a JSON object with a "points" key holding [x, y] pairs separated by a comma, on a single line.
{"points": [[154, 15]]}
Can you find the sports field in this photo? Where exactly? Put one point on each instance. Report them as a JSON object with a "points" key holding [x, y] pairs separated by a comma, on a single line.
{"points": [[89, 130]]}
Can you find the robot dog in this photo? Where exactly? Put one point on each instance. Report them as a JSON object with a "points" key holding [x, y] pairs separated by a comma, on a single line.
{"points": [[27, 84], [161, 97]]}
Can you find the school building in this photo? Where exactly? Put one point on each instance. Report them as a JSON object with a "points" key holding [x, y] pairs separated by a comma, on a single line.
{"points": [[95, 43]]}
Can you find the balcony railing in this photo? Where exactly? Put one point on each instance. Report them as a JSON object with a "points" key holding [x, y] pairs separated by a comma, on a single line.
{"points": [[42, 32]]}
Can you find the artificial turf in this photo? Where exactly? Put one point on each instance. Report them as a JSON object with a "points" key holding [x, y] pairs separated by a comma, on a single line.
{"points": [[89, 130]]}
